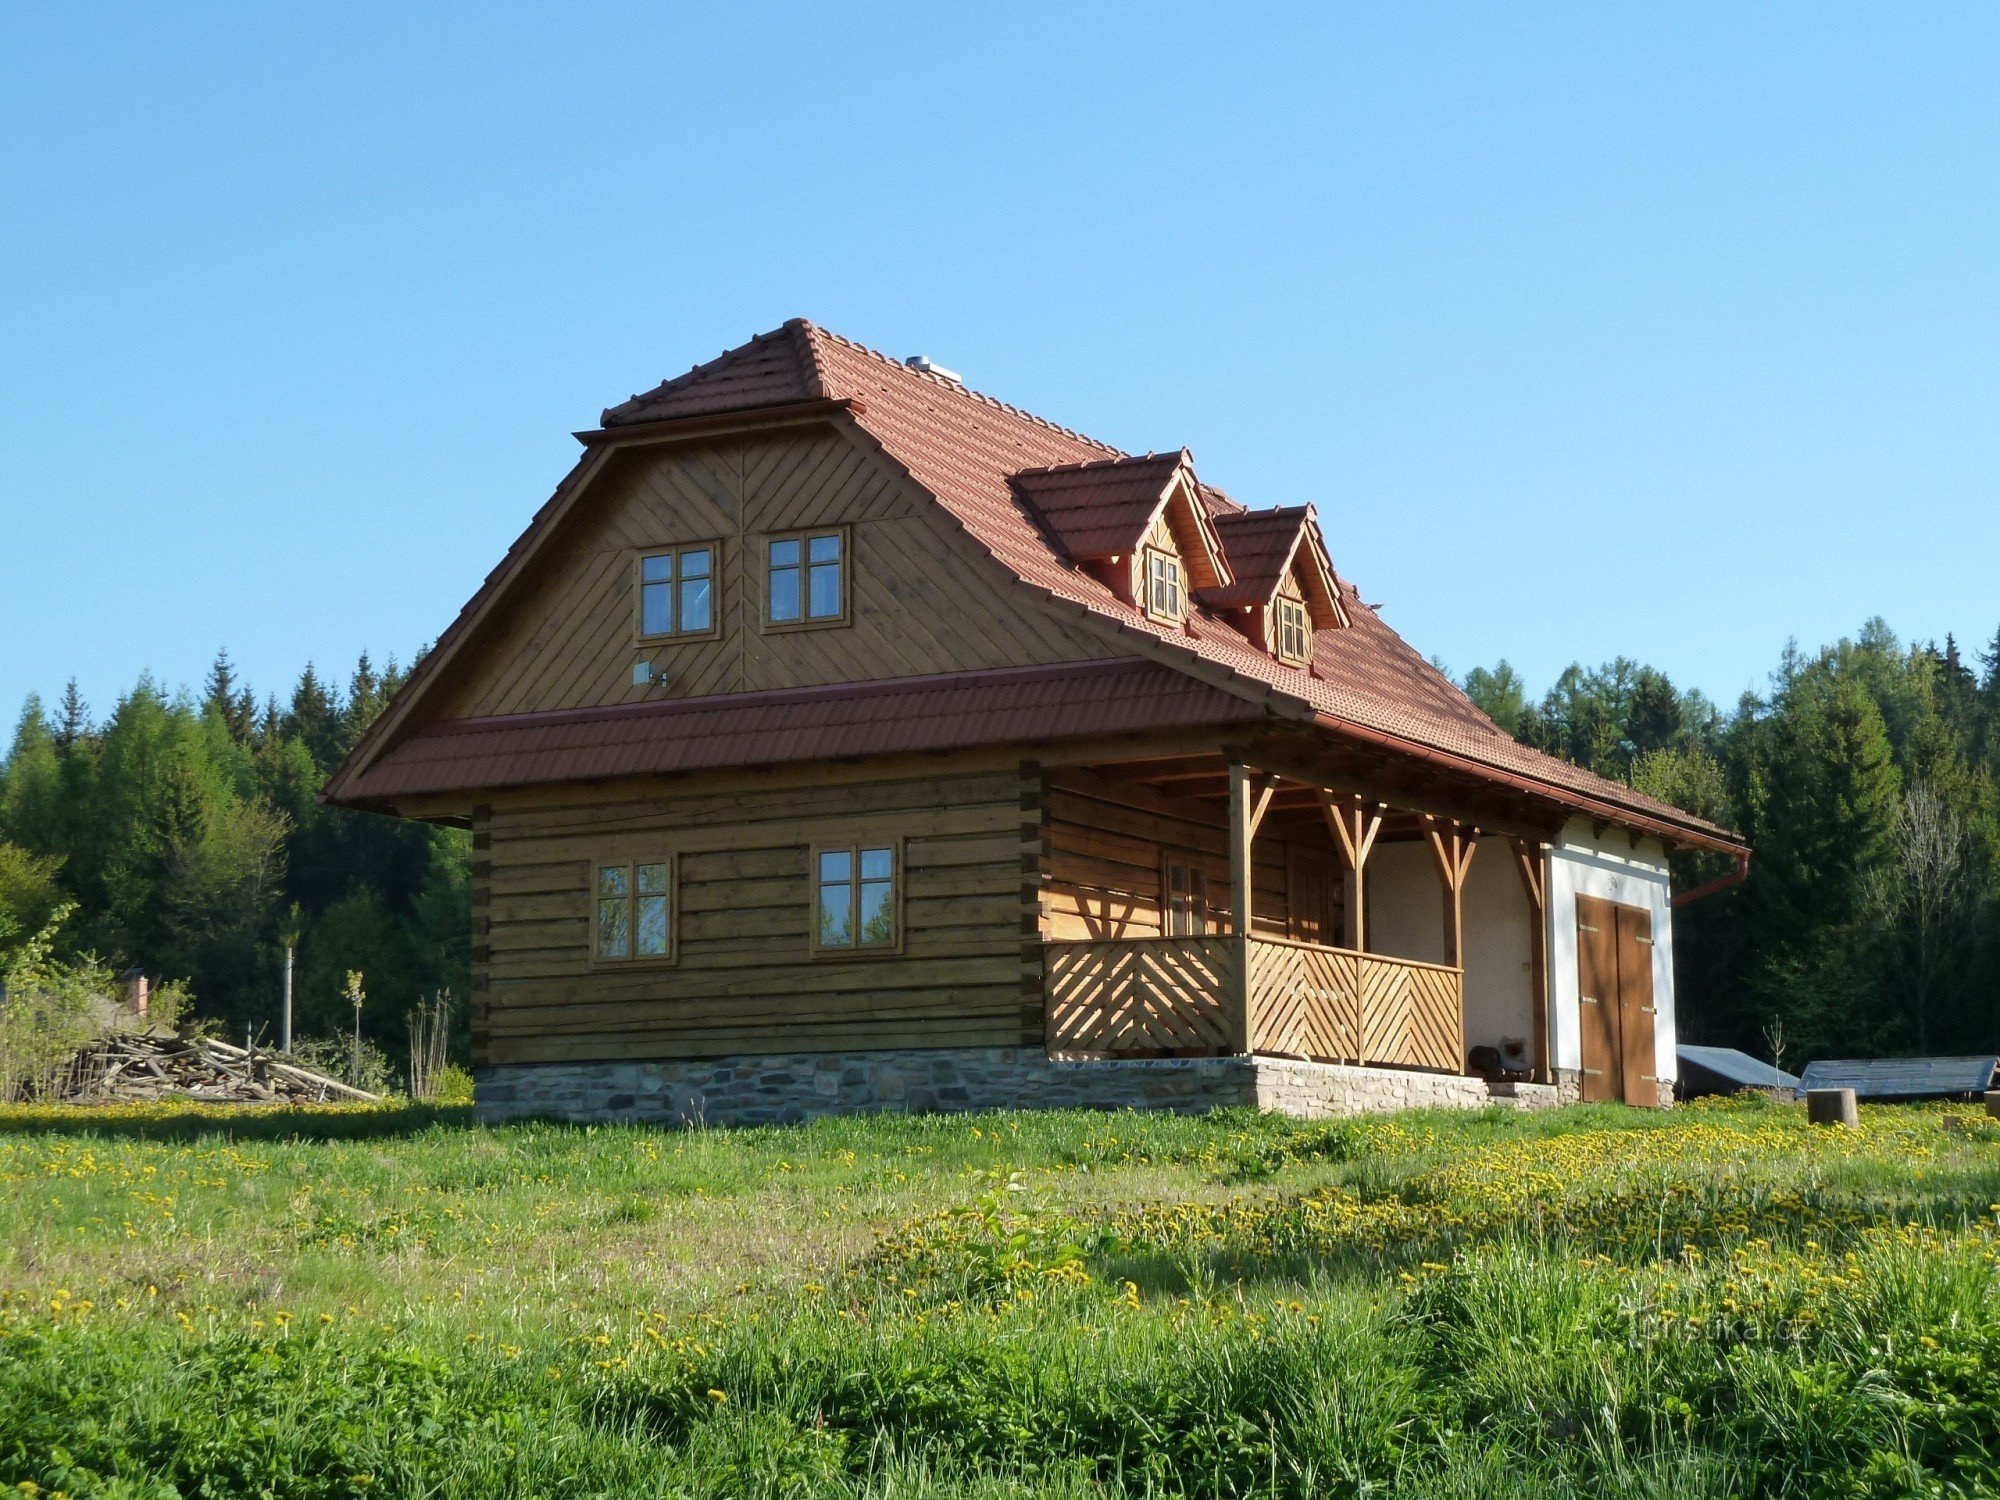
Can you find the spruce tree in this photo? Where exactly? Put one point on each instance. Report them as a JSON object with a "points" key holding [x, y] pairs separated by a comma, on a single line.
{"points": [[32, 810], [365, 698], [1821, 808], [72, 719], [1654, 720], [315, 720], [231, 704]]}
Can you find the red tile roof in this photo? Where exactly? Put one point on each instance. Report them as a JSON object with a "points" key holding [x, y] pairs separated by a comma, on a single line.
{"points": [[773, 369], [738, 729], [1101, 508], [966, 449], [1259, 544]]}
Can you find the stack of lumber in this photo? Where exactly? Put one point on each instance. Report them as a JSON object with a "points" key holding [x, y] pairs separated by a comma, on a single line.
{"points": [[130, 1066]]}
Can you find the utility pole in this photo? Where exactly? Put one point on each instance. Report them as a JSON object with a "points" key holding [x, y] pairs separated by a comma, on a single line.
{"points": [[356, 994], [289, 928]]}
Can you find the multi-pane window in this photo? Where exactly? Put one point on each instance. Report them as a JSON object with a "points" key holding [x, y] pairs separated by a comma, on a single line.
{"points": [[854, 895], [634, 910], [1187, 900], [1165, 598], [677, 592], [806, 579], [1294, 631]]}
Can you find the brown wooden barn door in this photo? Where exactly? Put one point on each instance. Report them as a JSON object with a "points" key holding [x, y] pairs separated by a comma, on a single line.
{"points": [[1635, 1007], [1315, 899], [1597, 997], [1614, 972]]}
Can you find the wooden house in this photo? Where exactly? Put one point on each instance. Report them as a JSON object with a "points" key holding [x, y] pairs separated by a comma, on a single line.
{"points": [[836, 737]]}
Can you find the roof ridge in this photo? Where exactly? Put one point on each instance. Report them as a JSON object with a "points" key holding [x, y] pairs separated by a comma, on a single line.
{"points": [[959, 387], [1265, 512], [1177, 457], [815, 378]]}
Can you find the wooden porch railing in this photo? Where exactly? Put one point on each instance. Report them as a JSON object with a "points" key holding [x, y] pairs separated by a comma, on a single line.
{"points": [[1335, 1006], [1187, 995], [1159, 994]]}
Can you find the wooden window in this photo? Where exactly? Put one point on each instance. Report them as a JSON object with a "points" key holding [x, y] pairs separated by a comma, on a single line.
{"points": [[632, 911], [677, 591], [1166, 599], [1294, 631], [805, 579], [857, 898], [1186, 912]]}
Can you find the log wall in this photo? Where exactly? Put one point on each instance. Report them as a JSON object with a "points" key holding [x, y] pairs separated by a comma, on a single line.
{"points": [[744, 980]]}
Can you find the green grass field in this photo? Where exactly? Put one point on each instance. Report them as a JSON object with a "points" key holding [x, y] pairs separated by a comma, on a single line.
{"points": [[395, 1302]]}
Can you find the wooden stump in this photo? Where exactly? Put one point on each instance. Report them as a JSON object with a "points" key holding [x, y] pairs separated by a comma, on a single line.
{"points": [[1832, 1107], [1993, 1103]]}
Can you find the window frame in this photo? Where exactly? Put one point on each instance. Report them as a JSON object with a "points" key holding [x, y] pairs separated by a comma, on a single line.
{"points": [[1148, 556], [853, 848], [676, 550], [1198, 920], [805, 539], [631, 866], [1282, 605]]}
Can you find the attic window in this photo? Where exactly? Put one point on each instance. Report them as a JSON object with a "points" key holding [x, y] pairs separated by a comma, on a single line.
{"points": [[677, 592], [1292, 634], [806, 579], [1166, 596]]}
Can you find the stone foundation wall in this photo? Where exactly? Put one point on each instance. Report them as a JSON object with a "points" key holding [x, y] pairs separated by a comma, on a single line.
{"points": [[782, 1088]]}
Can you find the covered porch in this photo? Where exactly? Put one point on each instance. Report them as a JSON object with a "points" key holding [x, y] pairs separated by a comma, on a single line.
{"points": [[1267, 901]]}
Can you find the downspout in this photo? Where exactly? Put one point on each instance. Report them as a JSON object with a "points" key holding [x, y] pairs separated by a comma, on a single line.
{"points": [[1721, 883]]}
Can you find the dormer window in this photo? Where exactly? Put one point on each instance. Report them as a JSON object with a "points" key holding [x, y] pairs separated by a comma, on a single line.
{"points": [[1166, 596], [1292, 632]]}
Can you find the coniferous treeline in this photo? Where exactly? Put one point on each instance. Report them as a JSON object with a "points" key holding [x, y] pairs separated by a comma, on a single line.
{"points": [[185, 833], [1865, 779]]}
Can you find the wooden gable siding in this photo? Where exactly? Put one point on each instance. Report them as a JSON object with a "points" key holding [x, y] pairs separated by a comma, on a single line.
{"points": [[920, 599], [744, 980], [1106, 846]]}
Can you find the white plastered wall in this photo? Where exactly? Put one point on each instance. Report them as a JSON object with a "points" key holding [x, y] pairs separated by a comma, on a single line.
{"points": [[1406, 920], [1609, 866]]}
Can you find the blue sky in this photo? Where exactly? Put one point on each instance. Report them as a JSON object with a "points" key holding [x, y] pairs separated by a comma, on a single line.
{"points": [[1668, 331]]}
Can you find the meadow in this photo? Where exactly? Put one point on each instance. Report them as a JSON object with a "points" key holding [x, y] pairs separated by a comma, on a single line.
{"points": [[1717, 1300]]}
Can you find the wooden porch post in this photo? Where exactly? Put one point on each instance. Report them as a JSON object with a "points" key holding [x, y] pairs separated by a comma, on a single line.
{"points": [[1453, 851], [1532, 861], [1354, 826], [1249, 799]]}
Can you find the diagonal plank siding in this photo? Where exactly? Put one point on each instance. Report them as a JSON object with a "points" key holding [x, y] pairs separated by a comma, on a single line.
{"points": [[922, 599]]}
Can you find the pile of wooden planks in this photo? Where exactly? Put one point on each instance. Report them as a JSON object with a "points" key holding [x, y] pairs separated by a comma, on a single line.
{"points": [[130, 1066]]}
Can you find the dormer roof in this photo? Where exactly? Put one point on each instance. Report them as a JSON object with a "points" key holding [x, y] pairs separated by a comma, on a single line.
{"points": [[1263, 546], [1105, 508]]}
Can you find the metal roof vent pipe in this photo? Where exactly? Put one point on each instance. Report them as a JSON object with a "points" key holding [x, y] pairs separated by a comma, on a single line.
{"points": [[929, 366]]}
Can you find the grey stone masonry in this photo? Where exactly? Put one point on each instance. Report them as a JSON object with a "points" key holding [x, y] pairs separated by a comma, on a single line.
{"points": [[767, 1089]]}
